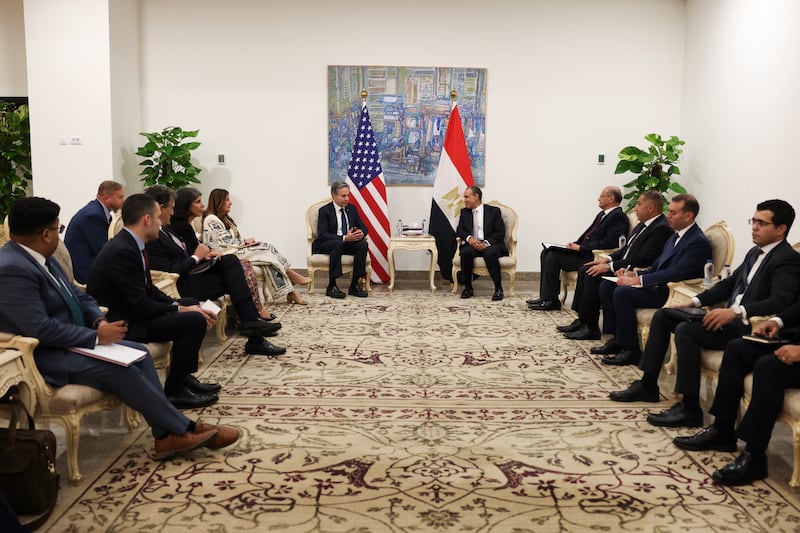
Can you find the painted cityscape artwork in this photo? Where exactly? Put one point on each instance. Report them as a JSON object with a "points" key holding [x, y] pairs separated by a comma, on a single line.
{"points": [[409, 108]]}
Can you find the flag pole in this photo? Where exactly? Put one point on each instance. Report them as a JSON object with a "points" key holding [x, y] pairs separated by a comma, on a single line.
{"points": [[453, 95], [364, 94]]}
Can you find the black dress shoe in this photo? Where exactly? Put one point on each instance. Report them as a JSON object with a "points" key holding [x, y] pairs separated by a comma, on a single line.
{"points": [[608, 348], [334, 292], [357, 292], [195, 385], [186, 399], [263, 347], [743, 470], [253, 328], [583, 334], [636, 392], [625, 357], [706, 439], [533, 301], [498, 295], [546, 305], [466, 293], [572, 326], [677, 416]]}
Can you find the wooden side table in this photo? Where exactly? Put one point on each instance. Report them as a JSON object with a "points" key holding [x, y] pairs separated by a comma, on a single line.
{"points": [[412, 242], [13, 372]]}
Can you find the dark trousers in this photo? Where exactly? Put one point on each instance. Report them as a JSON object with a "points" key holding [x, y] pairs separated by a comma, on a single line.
{"points": [[185, 330], [225, 277], [771, 378], [619, 309], [690, 339], [491, 256], [586, 300], [553, 261], [138, 386], [336, 249]]}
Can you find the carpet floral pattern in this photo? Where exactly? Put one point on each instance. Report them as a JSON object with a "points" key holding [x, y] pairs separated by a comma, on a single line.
{"points": [[417, 412]]}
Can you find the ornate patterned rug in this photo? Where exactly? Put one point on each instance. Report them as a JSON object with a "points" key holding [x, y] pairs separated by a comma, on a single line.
{"points": [[417, 412]]}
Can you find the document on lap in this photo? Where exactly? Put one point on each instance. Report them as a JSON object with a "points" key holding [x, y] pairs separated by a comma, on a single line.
{"points": [[764, 340], [211, 307], [546, 245], [118, 354]]}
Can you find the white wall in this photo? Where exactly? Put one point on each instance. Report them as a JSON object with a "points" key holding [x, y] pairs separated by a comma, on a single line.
{"points": [[69, 94], [740, 111], [13, 80], [567, 80]]}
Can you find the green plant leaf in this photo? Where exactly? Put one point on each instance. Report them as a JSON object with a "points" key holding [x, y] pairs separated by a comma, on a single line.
{"points": [[678, 188]]}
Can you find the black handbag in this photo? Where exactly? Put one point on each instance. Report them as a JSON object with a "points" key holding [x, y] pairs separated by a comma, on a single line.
{"points": [[28, 476]]}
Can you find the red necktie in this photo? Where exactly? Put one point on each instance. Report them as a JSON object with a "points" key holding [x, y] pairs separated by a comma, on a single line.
{"points": [[147, 277]]}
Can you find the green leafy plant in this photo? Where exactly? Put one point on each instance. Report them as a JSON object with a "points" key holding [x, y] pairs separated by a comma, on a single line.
{"points": [[168, 159], [15, 154], [655, 167]]}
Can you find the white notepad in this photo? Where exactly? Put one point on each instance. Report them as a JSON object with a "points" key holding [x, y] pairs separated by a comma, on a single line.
{"points": [[119, 354]]}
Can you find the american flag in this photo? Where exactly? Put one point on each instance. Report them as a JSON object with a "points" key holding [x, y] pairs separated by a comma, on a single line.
{"points": [[368, 194]]}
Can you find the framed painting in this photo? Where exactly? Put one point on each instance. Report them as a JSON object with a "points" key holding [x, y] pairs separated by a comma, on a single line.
{"points": [[409, 108]]}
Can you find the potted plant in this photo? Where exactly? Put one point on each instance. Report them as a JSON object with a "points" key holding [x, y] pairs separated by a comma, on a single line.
{"points": [[168, 159], [655, 167], [15, 154]]}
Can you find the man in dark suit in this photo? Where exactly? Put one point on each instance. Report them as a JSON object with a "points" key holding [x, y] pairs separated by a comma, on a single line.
{"points": [[340, 231], [774, 371], [682, 257], [602, 233], [766, 283], [170, 253], [120, 280], [88, 229], [642, 248], [482, 233], [39, 301]]}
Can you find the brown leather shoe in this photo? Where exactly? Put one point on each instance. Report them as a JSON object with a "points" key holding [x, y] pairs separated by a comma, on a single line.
{"points": [[226, 435], [174, 444]]}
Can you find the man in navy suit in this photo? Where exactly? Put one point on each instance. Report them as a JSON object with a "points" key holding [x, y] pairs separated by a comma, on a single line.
{"points": [[120, 280], [482, 233], [39, 301], [682, 257], [88, 229], [602, 233], [775, 368], [642, 248], [340, 231], [766, 283]]}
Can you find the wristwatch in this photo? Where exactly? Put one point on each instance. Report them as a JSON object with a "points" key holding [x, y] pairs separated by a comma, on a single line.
{"points": [[737, 309]]}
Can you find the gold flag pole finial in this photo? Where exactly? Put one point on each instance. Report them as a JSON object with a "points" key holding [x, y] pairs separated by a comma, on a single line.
{"points": [[364, 96], [453, 95]]}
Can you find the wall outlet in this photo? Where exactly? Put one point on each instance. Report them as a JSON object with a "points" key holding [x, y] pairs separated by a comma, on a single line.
{"points": [[75, 140]]}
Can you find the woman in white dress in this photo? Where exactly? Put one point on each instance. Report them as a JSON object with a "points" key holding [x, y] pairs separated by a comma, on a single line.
{"points": [[277, 271]]}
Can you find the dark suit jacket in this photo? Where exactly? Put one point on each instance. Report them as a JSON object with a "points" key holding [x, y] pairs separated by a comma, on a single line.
{"points": [[34, 306], [327, 224], [165, 254], [607, 233], [117, 280], [646, 247], [773, 288], [494, 230], [678, 262], [86, 234]]}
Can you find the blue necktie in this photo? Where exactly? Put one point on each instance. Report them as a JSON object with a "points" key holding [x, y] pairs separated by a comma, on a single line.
{"points": [[741, 284], [344, 222], [74, 308]]}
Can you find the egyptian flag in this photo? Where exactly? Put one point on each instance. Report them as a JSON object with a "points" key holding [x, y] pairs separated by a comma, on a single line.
{"points": [[453, 176]]}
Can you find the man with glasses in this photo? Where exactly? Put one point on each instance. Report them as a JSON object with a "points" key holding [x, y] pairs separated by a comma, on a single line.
{"points": [[765, 283], [602, 233], [40, 301]]}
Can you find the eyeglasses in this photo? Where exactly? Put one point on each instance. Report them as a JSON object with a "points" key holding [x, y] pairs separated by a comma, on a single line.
{"points": [[758, 222], [60, 228]]}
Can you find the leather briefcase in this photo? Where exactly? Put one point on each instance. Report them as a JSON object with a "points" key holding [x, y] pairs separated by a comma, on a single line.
{"points": [[28, 476]]}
